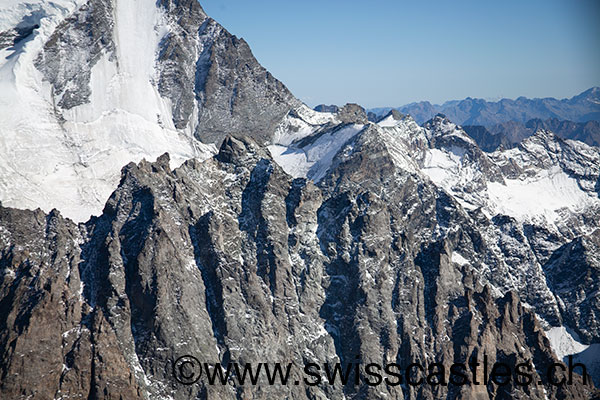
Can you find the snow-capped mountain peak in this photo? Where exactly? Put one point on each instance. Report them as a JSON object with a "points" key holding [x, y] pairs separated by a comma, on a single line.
{"points": [[89, 86]]}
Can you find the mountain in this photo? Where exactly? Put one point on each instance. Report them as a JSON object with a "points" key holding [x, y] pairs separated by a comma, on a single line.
{"points": [[509, 134], [332, 108], [408, 244], [100, 83], [486, 140], [268, 232], [581, 108]]}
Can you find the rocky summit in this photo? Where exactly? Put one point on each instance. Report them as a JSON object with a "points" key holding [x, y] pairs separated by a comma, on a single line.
{"points": [[250, 229]]}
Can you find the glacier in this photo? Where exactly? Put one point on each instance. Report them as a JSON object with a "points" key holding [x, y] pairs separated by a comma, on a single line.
{"points": [[73, 163]]}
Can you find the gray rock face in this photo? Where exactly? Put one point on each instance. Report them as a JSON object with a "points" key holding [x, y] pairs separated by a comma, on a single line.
{"points": [[518, 246], [332, 108], [178, 58], [233, 260], [352, 114], [236, 95], [487, 140], [217, 73], [573, 272], [73, 49], [46, 320], [530, 249], [397, 115]]}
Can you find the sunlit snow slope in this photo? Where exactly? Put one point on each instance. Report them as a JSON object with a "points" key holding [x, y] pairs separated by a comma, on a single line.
{"points": [[73, 161]]}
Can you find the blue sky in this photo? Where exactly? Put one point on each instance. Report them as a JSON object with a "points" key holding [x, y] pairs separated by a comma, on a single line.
{"points": [[389, 53]]}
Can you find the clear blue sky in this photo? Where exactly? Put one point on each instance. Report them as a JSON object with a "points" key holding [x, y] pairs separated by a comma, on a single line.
{"points": [[389, 53]]}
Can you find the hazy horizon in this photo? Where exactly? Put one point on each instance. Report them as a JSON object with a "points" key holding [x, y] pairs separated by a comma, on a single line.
{"points": [[488, 99], [385, 53]]}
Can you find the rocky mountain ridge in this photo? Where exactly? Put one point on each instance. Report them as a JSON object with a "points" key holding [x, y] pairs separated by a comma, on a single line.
{"points": [[381, 260]]}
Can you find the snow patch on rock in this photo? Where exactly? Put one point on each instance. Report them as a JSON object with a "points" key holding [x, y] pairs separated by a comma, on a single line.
{"points": [[459, 259], [300, 123], [540, 196], [564, 342], [313, 159]]}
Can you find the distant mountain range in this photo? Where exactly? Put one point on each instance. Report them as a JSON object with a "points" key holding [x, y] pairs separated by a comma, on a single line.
{"points": [[581, 108], [510, 133]]}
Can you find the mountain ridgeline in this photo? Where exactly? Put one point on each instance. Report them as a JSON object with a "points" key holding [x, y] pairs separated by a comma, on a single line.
{"points": [[581, 108], [268, 232], [379, 260], [511, 133]]}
